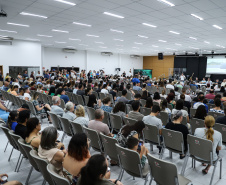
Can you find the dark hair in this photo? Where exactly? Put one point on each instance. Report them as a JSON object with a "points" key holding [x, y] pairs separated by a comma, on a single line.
{"points": [[200, 112], [78, 147], [128, 86], [23, 115], [120, 106], [149, 102], [135, 105], [222, 89], [144, 85], [32, 123], [87, 91], [59, 91], [176, 88], [12, 118], [92, 100], [132, 142], [137, 96], [224, 94], [201, 97], [48, 138], [106, 100], [217, 102], [52, 90], [182, 96], [138, 127], [156, 96], [217, 96], [124, 92], [170, 97], [164, 104], [144, 95], [155, 109], [95, 167], [179, 104], [80, 86]]}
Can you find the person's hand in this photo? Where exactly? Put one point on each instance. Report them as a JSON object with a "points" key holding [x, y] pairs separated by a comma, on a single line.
{"points": [[59, 145], [107, 175], [119, 183], [1, 175], [142, 149]]}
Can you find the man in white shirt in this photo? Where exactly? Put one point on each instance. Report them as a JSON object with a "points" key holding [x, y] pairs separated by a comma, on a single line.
{"points": [[187, 97], [182, 77], [104, 90], [169, 86], [27, 96], [223, 83], [75, 89]]}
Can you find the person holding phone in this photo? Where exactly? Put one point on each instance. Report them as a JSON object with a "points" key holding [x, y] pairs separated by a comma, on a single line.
{"points": [[4, 180]]}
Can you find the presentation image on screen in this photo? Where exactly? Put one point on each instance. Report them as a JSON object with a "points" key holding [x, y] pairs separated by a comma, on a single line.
{"points": [[143, 72], [216, 66]]}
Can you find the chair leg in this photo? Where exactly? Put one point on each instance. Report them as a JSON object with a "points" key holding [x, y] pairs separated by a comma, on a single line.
{"points": [[184, 165], [211, 181], [162, 152], [6, 146], [194, 163], [151, 180], [29, 175], [10, 154], [44, 182], [151, 147], [170, 155], [20, 164], [220, 168], [133, 178], [146, 179], [62, 139], [121, 175], [17, 162]]}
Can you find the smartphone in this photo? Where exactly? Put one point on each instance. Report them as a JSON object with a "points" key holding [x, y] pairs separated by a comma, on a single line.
{"points": [[141, 143], [4, 179], [115, 135], [109, 169]]}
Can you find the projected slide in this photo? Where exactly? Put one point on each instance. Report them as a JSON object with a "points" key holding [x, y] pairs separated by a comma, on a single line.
{"points": [[216, 66], [143, 72]]}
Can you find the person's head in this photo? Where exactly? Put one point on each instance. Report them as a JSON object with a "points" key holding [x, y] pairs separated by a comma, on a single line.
{"points": [[163, 92], [183, 90], [217, 102], [23, 116], [132, 143], [52, 90], [94, 170], [78, 147], [224, 94], [48, 138], [107, 101], [211, 91], [21, 91], [105, 86], [69, 107], [176, 89], [155, 109], [209, 123], [13, 115], [201, 98], [26, 90], [178, 116], [56, 100], [217, 96], [124, 92], [164, 104], [88, 91], [200, 112], [136, 105], [182, 97], [145, 94], [80, 111], [15, 88], [99, 114], [156, 96], [179, 104], [80, 86], [222, 89], [170, 97], [138, 127], [149, 103], [35, 96], [120, 106], [33, 124], [137, 96]]}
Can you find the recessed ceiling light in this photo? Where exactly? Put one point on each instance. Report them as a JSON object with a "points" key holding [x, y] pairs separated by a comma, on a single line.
{"points": [[66, 2], [59, 42], [102, 47], [88, 35], [119, 40], [32, 39], [62, 31], [113, 15], [193, 38], [142, 36], [174, 32], [150, 25], [218, 27], [15, 24], [196, 16], [34, 15], [75, 39], [82, 24], [193, 47], [118, 31], [99, 42], [8, 31], [207, 42], [162, 41], [178, 44], [138, 43], [83, 45], [167, 2], [154, 46], [44, 35]]}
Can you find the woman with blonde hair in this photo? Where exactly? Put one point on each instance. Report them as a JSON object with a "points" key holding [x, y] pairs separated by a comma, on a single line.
{"points": [[210, 134], [80, 113]]}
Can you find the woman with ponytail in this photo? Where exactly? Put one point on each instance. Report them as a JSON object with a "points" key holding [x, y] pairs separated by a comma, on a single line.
{"points": [[12, 120], [210, 134]]}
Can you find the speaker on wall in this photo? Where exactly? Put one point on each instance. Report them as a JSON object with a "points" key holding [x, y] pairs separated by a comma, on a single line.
{"points": [[160, 56]]}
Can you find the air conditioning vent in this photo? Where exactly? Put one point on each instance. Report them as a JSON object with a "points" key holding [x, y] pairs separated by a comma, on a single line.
{"points": [[134, 56], [69, 50], [106, 53]]}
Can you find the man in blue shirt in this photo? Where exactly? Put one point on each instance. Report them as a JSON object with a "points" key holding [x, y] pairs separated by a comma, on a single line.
{"points": [[135, 87], [193, 84], [25, 75], [63, 96], [136, 80]]}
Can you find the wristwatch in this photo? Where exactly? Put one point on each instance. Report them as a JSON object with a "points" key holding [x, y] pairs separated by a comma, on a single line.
{"points": [[116, 181]]}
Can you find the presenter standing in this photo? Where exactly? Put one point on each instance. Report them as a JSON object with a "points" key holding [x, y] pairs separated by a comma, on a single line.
{"points": [[182, 77]]}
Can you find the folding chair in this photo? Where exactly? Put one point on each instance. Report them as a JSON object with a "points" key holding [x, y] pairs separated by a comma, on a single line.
{"points": [[196, 123], [129, 121], [116, 122]]}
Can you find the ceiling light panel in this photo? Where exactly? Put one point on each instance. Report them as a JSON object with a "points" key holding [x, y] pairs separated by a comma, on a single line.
{"points": [[150, 25], [49, 36], [16, 24], [82, 24], [33, 15], [88, 35], [174, 32], [167, 2], [218, 27], [8, 31], [197, 17], [62, 31], [114, 15], [142, 36], [118, 31], [66, 2]]}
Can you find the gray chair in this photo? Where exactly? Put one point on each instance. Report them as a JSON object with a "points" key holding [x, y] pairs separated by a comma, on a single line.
{"points": [[145, 111], [130, 162], [56, 121], [86, 98], [164, 116], [56, 177], [111, 98], [106, 119], [42, 166], [170, 106], [192, 103], [143, 102], [128, 108], [129, 95], [210, 106], [222, 129], [50, 100], [62, 104], [102, 96], [116, 122], [91, 113], [159, 167], [96, 94], [129, 121], [119, 93], [173, 141], [95, 139], [80, 100], [215, 114], [155, 103], [192, 112], [76, 127], [66, 125], [196, 123], [74, 99], [201, 150]]}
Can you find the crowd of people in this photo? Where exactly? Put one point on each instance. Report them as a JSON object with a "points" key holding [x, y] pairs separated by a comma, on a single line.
{"points": [[75, 162]]}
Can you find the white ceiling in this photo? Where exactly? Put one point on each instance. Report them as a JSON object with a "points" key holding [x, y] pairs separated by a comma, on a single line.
{"points": [[166, 18]]}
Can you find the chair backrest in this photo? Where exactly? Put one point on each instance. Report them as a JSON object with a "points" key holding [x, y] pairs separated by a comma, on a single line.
{"points": [[42, 166], [151, 134], [222, 129], [50, 99], [170, 106], [192, 112], [55, 121], [106, 119], [145, 111], [192, 103], [128, 108], [91, 113], [201, 148], [196, 123], [96, 94], [74, 98], [210, 106], [95, 139], [76, 127], [119, 93], [31, 107], [129, 121], [129, 161], [185, 108], [6, 132], [62, 104], [159, 167], [116, 121], [66, 125], [56, 177], [155, 103], [102, 96], [164, 116], [80, 100], [129, 95], [173, 140], [143, 102], [109, 146], [86, 98], [215, 114], [27, 148]]}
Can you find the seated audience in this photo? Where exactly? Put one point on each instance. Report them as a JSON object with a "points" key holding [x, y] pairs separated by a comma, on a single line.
{"points": [[120, 109], [186, 103], [33, 136], [144, 95], [52, 91], [200, 112], [135, 114], [80, 90], [27, 95], [222, 119], [123, 97], [23, 107], [106, 107], [170, 99], [21, 128], [149, 103], [210, 134], [63, 96], [224, 97], [180, 106], [164, 107], [12, 120], [69, 111], [4, 112], [200, 102], [211, 95], [156, 98], [163, 94], [55, 108], [14, 90], [217, 107], [104, 90], [136, 87], [40, 107], [80, 116], [21, 93], [92, 100]]}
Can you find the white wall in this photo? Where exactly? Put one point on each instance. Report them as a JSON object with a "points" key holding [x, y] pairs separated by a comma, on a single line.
{"points": [[20, 53]]}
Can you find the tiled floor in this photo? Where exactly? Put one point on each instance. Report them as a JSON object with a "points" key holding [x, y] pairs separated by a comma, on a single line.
{"points": [[36, 178]]}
